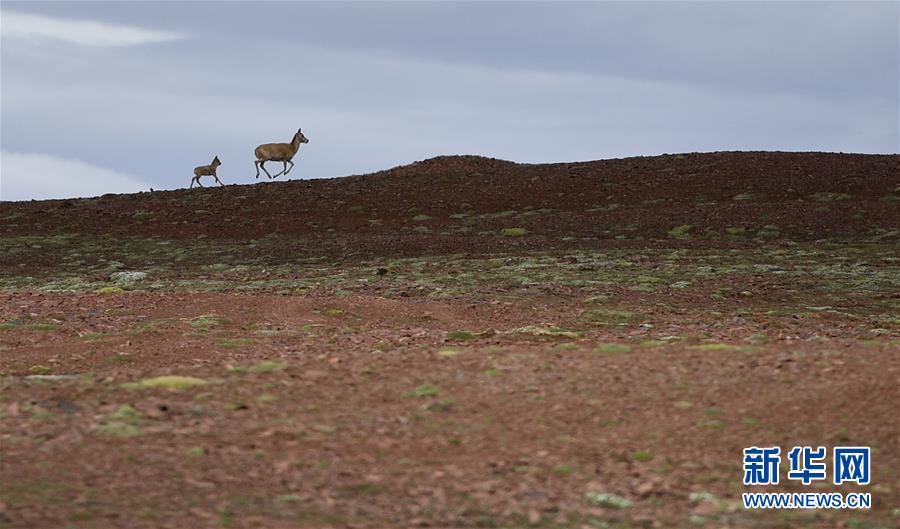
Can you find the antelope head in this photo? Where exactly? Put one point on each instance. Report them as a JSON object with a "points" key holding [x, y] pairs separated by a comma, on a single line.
{"points": [[300, 137], [216, 162]]}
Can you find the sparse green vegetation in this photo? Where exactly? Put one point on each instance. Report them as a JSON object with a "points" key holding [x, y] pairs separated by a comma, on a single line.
{"points": [[117, 429], [363, 489], [612, 348], [448, 352], [207, 321], [425, 390], [168, 382], [233, 343], [461, 335], [266, 366], [126, 414], [513, 232], [109, 290], [607, 317], [31, 327], [824, 196], [554, 332], [642, 456], [681, 232], [92, 336], [500, 214], [564, 470], [714, 347], [288, 498]]}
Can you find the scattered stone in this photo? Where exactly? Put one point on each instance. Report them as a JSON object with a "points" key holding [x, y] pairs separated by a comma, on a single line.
{"points": [[607, 499], [702, 496], [128, 277], [66, 406], [50, 378]]}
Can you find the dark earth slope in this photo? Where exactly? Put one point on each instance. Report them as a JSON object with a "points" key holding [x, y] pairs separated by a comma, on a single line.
{"points": [[459, 203]]}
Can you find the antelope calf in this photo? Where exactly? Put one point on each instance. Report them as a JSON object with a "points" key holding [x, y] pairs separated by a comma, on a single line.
{"points": [[206, 170], [278, 152]]}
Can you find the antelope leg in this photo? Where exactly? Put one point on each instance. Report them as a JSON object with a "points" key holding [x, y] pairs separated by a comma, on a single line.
{"points": [[288, 169], [262, 163]]}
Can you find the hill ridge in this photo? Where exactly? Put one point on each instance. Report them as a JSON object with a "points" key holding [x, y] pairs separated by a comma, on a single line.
{"points": [[806, 196]]}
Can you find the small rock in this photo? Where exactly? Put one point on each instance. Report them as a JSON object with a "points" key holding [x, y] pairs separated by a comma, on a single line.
{"points": [[66, 406], [645, 489], [128, 277], [50, 378], [607, 499]]}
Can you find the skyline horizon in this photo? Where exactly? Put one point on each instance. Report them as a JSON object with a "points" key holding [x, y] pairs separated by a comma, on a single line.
{"points": [[100, 97]]}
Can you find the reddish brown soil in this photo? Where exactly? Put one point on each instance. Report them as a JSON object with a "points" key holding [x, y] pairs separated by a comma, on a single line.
{"points": [[365, 418]]}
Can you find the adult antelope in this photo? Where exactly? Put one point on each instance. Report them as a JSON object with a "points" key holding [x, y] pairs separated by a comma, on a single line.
{"points": [[278, 152]]}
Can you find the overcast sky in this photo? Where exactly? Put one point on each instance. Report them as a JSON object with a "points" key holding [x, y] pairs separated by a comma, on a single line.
{"points": [[119, 97]]}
